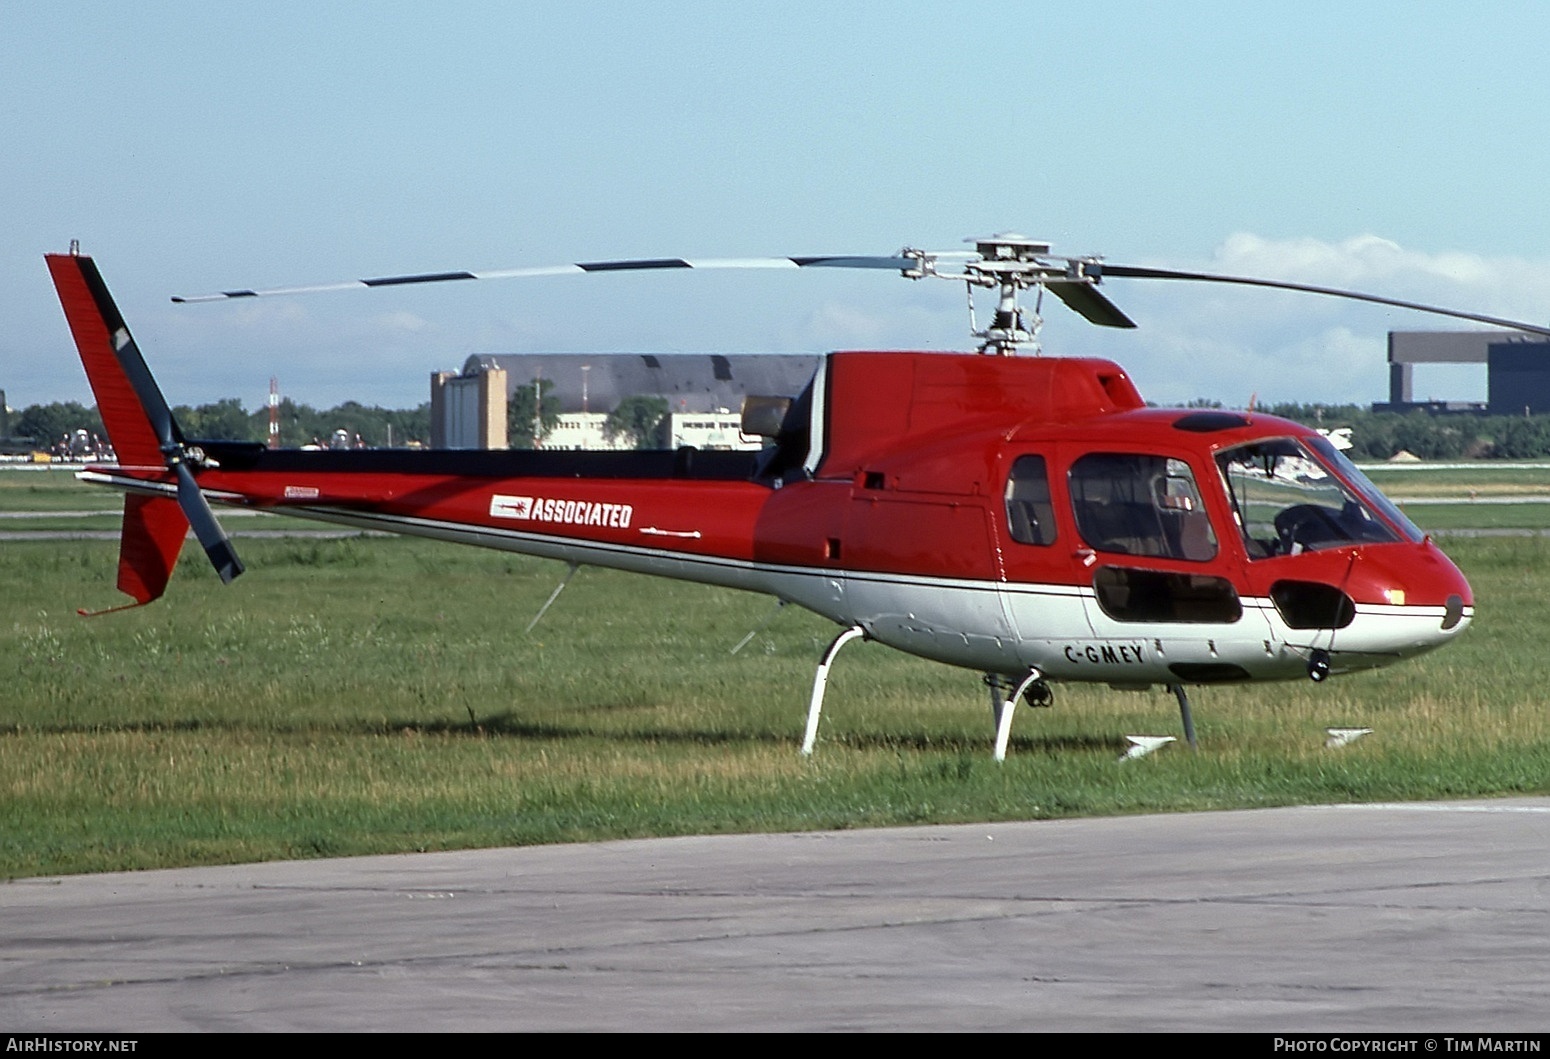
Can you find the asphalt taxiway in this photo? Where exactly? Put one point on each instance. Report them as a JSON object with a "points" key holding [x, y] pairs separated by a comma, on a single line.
{"points": [[1421, 919]]}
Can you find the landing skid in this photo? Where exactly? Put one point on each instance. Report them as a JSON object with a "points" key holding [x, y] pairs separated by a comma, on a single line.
{"points": [[1033, 689]]}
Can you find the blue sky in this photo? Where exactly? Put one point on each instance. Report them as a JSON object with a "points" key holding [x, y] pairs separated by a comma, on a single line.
{"points": [[1397, 147]]}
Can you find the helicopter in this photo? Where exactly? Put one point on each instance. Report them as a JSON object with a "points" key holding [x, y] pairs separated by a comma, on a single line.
{"points": [[1024, 516]]}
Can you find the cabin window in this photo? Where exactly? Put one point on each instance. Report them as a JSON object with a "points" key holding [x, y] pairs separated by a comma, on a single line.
{"points": [[1029, 513], [1158, 595], [1287, 501], [1363, 487], [1137, 504]]}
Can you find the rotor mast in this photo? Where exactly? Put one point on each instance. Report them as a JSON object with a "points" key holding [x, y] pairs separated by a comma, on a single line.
{"points": [[1010, 263]]}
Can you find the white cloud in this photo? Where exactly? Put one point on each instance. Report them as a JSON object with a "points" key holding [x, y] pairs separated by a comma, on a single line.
{"points": [[401, 323], [1498, 286], [846, 326], [1205, 340], [839, 325]]}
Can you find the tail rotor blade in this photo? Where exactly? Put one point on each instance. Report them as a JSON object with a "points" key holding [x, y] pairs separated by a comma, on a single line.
{"points": [[154, 405], [209, 532], [152, 401]]}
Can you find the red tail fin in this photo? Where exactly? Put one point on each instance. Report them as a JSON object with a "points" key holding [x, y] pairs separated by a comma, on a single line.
{"points": [[152, 537], [154, 526], [99, 329]]}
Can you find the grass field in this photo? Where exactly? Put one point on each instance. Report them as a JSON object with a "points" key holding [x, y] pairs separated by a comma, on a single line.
{"points": [[1485, 478], [379, 695], [44, 488], [48, 499]]}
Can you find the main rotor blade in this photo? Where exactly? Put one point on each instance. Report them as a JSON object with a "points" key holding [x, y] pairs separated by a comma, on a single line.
{"points": [[1136, 272], [1087, 300], [211, 536], [892, 262]]}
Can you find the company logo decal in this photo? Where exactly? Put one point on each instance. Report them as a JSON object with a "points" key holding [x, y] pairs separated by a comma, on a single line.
{"points": [[568, 512]]}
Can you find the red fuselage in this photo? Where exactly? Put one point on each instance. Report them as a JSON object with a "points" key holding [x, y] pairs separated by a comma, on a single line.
{"points": [[1004, 514]]}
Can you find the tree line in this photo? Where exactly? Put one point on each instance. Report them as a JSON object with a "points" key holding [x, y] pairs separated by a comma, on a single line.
{"points": [[227, 420], [636, 422], [1458, 436]]}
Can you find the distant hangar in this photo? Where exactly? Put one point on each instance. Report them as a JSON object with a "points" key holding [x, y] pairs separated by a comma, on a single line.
{"points": [[1517, 370]]}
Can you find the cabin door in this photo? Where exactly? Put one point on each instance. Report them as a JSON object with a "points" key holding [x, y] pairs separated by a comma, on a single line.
{"points": [[1161, 602]]}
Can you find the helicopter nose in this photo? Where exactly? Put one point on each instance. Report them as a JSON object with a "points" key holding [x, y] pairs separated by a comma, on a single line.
{"points": [[1406, 599]]}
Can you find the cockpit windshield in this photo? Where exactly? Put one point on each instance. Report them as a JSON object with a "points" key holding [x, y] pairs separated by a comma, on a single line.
{"points": [[1290, 495]]}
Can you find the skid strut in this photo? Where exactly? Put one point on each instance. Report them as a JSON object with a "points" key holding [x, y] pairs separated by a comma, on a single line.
{"points": [[821, 684], [1003, 708], [1189, 720]]}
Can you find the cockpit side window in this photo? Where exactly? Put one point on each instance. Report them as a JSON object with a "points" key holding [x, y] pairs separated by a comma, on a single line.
{"points": [[1286, 501], [1029, 514], [1139, 504]]}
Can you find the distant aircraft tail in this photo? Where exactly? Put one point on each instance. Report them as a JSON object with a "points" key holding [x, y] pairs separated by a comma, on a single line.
{"points": [[143, 434]]}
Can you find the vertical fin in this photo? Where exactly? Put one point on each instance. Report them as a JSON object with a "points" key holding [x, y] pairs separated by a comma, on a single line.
{"points": [[96, 324]]}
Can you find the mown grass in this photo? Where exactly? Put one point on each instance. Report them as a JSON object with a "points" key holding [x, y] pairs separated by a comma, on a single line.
{"points": [[1527, 484], [370, 695], [1445, 518], [1485, 478], [236, 523], [42, 487], [365, 696]]}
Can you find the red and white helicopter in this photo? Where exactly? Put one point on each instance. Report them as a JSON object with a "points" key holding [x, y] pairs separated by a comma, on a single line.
{"points": [[1026, 517]]}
